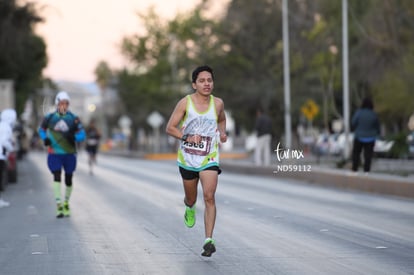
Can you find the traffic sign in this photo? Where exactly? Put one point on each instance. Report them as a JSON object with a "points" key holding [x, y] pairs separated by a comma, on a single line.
{"points": [[310, 109], [155, 119]]}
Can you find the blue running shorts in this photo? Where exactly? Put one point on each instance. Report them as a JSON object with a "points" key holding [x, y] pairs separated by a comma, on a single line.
{"points": [[56, 162]]}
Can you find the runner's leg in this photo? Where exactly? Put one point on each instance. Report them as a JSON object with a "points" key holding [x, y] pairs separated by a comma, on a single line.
{"points": [[209, 180], [190, 191]]}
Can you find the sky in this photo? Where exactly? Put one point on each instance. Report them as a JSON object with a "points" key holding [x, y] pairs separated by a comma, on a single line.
{"points": [[81, 33]]}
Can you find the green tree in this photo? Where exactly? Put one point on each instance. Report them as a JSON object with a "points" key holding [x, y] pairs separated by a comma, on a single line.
{"points": [[394, 95], [320, 67], [385, 54], [162, 60], [250, 73], [147, 85], [103, 74], [23, 54], [245, 49], [380, 39]]}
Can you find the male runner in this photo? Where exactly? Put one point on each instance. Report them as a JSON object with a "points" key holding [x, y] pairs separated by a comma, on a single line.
{"points": [[60, 130], [199, 122]]}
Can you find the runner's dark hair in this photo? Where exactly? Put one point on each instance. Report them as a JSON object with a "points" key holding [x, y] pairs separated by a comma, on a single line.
{"points": [[200, 69], [367, 103]]}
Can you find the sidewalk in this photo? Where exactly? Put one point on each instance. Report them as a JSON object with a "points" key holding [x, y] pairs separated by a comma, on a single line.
{"points": [[383, 180]]}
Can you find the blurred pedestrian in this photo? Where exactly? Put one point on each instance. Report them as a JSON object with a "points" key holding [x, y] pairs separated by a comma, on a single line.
{"points": [[202, 125], [263, 128], [60, 130], [22, 139], [366, 127], [93, 136], [7, 119]]}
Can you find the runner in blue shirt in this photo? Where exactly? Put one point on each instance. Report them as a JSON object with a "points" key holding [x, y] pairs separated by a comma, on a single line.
{"points": [[60, 130]]}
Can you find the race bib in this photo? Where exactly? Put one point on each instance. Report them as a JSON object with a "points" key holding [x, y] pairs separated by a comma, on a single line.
{"points": [[92, 142], [199, 149]]}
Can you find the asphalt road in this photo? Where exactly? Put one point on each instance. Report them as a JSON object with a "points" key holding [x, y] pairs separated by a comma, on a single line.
{"points": [[127, 218]]}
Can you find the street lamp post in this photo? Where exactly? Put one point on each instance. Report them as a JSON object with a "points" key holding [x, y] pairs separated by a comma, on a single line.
{"points": [[345, 74], [286, 74]]}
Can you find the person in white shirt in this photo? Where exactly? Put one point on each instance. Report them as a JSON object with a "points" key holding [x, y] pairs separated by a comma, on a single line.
{"points": [[7, 119]]}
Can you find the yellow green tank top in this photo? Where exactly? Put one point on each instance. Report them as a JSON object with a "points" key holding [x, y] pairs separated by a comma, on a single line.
{"points": [[193, 156]]}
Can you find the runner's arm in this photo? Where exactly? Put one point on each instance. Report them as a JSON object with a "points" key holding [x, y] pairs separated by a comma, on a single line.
{"points": [[175, 119], [221, 120]]}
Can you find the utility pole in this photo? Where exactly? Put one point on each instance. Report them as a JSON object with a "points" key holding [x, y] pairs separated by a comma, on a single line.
{"points": [[286, 74]]}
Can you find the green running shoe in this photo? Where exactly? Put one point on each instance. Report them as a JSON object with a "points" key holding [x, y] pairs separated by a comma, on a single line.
{"points": [[66, 209], [190, 216], [59, 212], [209, 248]]}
